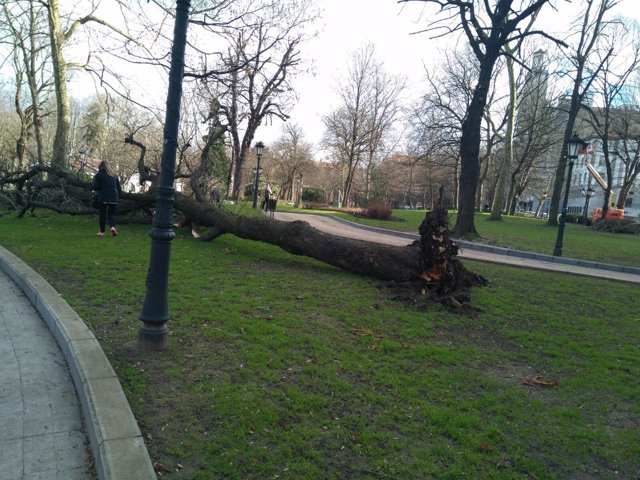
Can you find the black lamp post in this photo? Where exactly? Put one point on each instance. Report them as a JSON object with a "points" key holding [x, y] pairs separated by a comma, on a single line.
{"points": [[588, 193], [573, 147], [155, 311], [259, 148]]}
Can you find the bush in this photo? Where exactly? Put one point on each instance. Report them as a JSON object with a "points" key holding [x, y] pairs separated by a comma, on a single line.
{"points": [[314, 195], [314, 205], [617, 225], [378, 211]]}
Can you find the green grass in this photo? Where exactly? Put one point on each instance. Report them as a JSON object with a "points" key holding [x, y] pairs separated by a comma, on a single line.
{"points": [[524, 233], [282, 367]]}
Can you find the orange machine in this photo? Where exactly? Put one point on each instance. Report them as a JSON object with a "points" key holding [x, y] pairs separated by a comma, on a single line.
{"points": [[612, 212]]}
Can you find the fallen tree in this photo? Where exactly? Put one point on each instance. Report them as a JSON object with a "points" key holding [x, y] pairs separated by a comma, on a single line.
{"points": [[428, 266]]}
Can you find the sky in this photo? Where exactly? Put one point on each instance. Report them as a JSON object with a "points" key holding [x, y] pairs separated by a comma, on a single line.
{"points": [[349, 25]]}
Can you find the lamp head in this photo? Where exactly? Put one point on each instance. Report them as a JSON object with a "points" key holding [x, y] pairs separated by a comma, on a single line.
{"points": [[574, 145], [259, 148]]}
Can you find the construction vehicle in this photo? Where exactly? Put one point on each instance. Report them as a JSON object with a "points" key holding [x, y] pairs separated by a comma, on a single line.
{"points": [[612, 211]]}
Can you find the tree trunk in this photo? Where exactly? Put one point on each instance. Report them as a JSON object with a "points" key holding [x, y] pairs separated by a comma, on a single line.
{"points": [[505, 165], [63, 110], [470, 149], [430, 262]]}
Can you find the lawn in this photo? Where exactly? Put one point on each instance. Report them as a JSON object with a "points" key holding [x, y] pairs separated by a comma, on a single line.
{"points": [[279, 366]]}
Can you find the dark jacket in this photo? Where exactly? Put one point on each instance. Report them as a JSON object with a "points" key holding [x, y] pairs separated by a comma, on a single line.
{"points": [[107, 186]]}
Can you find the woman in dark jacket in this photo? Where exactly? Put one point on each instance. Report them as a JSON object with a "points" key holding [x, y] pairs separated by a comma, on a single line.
{"points": [[108, 188]]}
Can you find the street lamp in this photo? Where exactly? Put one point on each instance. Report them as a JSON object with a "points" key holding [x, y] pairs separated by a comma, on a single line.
{"points": [[152, 335], [588, 193], [573, 147], [259, 148]]}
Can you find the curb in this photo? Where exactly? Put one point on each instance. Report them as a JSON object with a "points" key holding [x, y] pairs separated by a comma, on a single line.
{"points": [[114, 436]]}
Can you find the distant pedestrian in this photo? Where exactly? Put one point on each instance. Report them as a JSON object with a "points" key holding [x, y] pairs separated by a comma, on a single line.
{"points": [[215, 195], [266, 196], [108, 189]]}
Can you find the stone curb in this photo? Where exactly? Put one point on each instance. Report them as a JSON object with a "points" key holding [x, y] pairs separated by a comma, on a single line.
{"points": [[114, 436]]}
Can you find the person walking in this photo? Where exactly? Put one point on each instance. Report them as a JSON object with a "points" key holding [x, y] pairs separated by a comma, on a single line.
{"points": [[108, 189], [266, 196]]}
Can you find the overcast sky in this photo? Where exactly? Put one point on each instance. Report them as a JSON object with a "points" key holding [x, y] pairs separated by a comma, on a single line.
{"points": [[348, 25]]}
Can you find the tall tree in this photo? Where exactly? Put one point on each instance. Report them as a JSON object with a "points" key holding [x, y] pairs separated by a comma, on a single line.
{"points": [[584, 72], [487, 29], [436, 122], [252, 80], [510, 51], [356, 130], [25, 25], [626, 128], [290, 155], [384, 114], [621, 52]]}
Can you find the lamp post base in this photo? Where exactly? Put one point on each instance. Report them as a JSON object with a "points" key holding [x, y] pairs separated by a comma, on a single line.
{"points": [[152, 338]]}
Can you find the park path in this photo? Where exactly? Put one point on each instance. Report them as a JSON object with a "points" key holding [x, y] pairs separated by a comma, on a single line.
{"points": [[469, 250], [41, 430]]}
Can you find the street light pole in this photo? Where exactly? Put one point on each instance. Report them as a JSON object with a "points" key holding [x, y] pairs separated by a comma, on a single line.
{"points": [[155, 310], [587, 194], [259, 148], [573, 146]]}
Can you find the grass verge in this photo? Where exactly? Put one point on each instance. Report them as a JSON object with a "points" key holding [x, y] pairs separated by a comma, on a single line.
{"points": [[283, 367]]}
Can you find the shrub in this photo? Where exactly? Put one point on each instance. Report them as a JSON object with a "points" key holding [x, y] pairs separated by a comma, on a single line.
{"points": [[314, 205], [312, 194], [378, 211], [617, 225]]}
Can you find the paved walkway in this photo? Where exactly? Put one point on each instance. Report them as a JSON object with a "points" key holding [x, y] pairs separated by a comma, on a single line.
{"points": [[41, 432], [469, 250]]}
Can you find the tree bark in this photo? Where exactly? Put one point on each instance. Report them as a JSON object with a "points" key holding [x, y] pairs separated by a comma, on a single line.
{"points": [[63, 112], [470, 149], [399, 264], [430, 263]]}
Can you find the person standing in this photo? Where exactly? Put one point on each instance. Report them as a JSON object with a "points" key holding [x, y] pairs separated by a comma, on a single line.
{"points": [[108, 188], [266, 196]]}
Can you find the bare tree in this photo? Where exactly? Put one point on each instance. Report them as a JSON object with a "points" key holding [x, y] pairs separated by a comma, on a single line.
{"points": [[290, 156], [25, 26], [626, 128], [437, 120], [621, 58], [359, 129], [384, 112], [585, 69], [348, 126], [252, 80], [510, 51], [535, 132], [487, 29]]}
